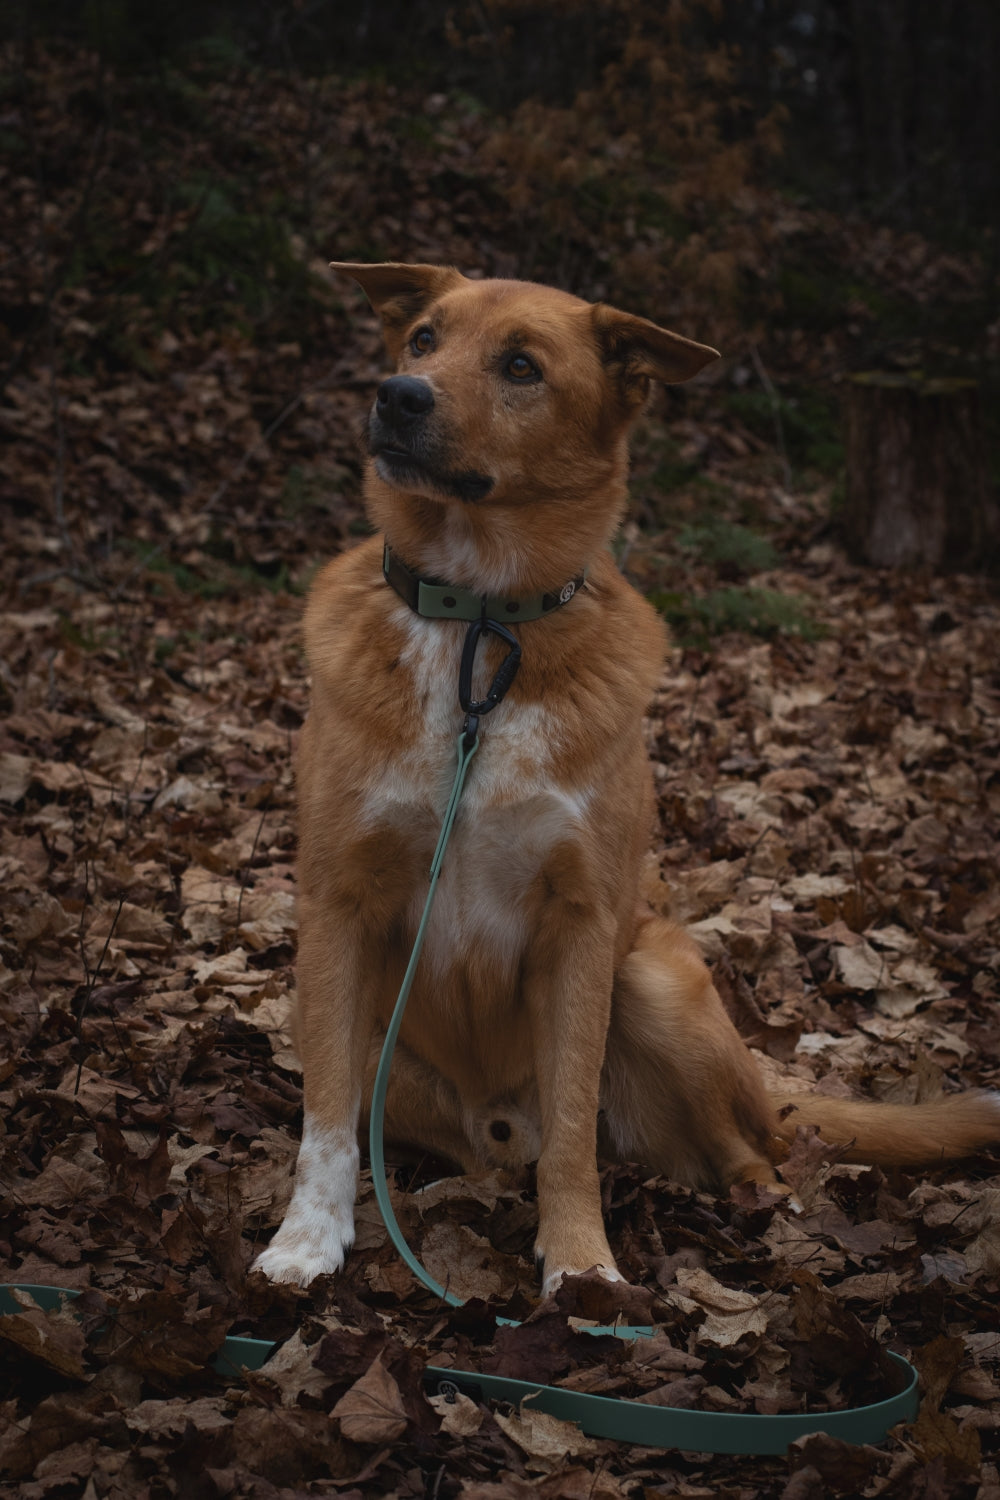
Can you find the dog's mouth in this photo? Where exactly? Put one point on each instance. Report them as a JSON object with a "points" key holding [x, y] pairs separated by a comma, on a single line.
{"points": [[398, 465]]}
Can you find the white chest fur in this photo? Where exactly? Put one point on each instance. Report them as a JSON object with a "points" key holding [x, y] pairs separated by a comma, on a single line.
{"points": [[513, 812]]}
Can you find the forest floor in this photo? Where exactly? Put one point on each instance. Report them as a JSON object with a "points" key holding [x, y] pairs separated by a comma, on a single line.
{"points": [[826, 748]]}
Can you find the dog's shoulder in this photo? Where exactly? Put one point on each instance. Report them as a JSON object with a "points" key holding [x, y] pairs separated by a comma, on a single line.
{"points": [[609, 642], [626, 610], [348, 609], [345, 582]]}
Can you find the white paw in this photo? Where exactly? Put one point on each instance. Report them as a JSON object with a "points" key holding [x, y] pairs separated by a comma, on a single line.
{"points": [[318, 1229], [553, 1279], [306, 1246]]}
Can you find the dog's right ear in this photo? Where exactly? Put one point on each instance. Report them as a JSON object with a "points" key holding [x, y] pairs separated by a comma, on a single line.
{"points": [[400, 293]]}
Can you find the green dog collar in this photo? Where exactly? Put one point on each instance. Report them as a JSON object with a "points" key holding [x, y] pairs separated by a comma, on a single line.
{"points": [[443, 601]]}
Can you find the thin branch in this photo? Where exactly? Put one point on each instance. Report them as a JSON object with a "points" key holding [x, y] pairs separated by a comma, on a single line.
{"points": [[91, 982], [292, 406], [779, 426], [249, 863]]}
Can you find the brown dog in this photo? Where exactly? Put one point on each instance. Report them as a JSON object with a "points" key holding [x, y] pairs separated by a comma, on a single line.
{"points": [[545, 991]]}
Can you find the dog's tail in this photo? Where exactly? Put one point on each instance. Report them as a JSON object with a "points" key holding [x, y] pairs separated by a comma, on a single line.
{"points": [[895, 1135]]}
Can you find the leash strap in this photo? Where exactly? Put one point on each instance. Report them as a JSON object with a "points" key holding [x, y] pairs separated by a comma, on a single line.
{"points": [[601, 1416], [467, 747], [468, 744]]}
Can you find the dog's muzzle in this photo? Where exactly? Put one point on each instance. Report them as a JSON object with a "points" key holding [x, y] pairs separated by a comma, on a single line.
{"points": [[410, 449]]}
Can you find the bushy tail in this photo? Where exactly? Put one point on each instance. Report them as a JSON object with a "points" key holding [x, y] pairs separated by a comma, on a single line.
{"points": [[896, 1135]]}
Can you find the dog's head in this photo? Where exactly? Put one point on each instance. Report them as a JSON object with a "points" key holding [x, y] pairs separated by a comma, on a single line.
{"points": [[509, 394]]}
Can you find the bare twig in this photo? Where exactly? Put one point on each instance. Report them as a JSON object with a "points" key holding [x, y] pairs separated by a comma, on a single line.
{"points": [[292, 406], [91, 982], [128, 798], [249, 864], [779, 426], [59, 472]]}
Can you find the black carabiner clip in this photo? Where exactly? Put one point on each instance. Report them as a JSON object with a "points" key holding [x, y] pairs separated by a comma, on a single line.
{"points": [[504, 676]]}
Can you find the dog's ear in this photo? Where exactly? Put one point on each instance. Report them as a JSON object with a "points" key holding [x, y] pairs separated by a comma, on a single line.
{"points": [[636, 351], [399, 293]]}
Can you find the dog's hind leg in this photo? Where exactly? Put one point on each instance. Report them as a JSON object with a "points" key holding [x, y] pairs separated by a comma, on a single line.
{"points": [[422, 1107], [680, 1091]]}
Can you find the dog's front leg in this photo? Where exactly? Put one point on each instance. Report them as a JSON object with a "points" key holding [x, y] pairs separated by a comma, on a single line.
{"points": [[339, 969], [568, 981]]}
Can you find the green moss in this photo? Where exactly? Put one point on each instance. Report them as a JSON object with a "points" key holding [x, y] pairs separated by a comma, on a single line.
{"points": [[216, 577], [695, 619], [810, 424], [728, 545]]}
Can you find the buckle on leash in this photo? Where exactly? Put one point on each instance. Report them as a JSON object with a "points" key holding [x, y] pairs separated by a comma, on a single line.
{"points": [[502, 679]]}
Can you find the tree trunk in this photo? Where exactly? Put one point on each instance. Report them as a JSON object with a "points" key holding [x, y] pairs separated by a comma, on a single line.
{"points": [[917, 490]]}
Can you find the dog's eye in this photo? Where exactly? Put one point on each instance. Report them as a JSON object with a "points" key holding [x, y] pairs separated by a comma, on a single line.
{"points": [[423, 341], [522, 369]]}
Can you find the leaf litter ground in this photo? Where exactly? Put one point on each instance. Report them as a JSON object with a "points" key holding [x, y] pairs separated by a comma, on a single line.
{"points": [[828, 808], [828, 828]]}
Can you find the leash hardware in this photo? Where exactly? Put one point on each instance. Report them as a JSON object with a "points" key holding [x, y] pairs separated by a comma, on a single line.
{"points": [[503, 677]]}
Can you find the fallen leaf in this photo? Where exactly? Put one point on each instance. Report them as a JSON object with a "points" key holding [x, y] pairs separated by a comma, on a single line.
{"points": [[372, 1410], [542, 1436]]}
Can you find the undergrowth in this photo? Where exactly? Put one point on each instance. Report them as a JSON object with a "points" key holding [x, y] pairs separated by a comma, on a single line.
{"points": [[695, 619]]}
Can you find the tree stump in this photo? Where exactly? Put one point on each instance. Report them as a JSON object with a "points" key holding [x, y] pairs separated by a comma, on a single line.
{"points": [[917, 489]]}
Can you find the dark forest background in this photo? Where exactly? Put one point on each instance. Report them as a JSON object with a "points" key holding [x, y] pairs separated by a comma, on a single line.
{"points": [[892, 103], [811, 186]]}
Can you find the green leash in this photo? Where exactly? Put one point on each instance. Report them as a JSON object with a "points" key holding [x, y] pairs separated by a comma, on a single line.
{"points": [[467, 747], [468, 744], [466, 750], [601, 1416]]}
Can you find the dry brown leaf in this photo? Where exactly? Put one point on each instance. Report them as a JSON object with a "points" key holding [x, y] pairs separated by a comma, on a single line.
{"points": [[170, 1419], [292, 1370], [54, 1339], [730, 1313], [464, 1262], [544, 1437], [372, 1410]]}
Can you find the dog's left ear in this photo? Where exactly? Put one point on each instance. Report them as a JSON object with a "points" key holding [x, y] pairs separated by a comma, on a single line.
{"points": [[637, 351], [400, 293]]}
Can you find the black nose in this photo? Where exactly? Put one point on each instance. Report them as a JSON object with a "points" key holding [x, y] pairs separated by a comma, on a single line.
{"points": [[403, 398]]}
